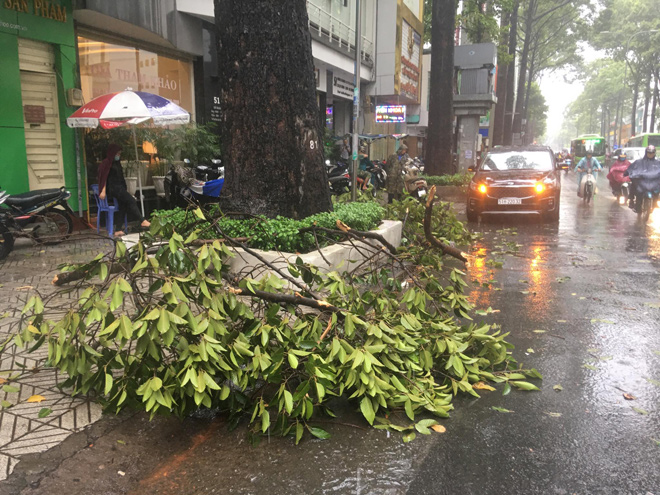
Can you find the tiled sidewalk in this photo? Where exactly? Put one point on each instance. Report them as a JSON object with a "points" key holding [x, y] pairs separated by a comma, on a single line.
{"points": [[29, 269]]}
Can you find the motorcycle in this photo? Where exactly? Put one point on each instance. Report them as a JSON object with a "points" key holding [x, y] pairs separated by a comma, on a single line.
{"points": [[566, 165], [622, 193], [339, 180], [43, 216], [206, 173], [589, 186], [415, 185], [646, 203]]}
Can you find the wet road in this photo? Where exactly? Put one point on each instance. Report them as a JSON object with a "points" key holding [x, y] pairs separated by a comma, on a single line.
{"points": [[581, 301]]}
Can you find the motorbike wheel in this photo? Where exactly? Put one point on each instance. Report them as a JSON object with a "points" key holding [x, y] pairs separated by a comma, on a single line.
{"points": [[6, 242], [52, 227], [645, 208]]}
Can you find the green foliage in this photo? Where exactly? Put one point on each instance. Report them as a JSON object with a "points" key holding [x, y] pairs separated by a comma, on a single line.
{"points": [[171, 335], [444, 224], [449, 180], [278, 233]]}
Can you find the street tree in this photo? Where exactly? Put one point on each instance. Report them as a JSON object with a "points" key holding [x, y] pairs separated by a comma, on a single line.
{"points": [[439, 154], [271, 140]]}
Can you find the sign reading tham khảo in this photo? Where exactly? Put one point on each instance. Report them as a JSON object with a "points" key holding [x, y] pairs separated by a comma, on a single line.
{"points": [[40, 8], [389, 114]]}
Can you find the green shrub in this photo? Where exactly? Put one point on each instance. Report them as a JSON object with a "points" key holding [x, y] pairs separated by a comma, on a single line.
{"points": [[278, 233], [449, 180]]}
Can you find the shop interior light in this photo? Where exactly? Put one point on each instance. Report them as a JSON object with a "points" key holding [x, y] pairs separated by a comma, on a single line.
{"points": [[539, 187], [483, 189]]}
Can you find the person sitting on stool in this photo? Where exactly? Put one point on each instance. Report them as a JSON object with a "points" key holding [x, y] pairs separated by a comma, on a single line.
{"points": [[112, 184]]}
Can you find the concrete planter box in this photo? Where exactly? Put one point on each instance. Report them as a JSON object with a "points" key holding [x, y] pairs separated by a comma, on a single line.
{"points": [[341, 256]]}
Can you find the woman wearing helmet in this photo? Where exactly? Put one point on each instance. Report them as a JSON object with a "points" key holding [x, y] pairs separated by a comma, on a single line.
{"points": [[588, 162], [616, 175]]}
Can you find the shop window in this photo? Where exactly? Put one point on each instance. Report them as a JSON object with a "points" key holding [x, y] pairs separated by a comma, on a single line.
{"points": [[108, 68]]}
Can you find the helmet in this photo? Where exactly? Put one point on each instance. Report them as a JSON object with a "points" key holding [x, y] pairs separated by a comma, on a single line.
{"points": [[650, 150], [590, 153], [623, 156]]}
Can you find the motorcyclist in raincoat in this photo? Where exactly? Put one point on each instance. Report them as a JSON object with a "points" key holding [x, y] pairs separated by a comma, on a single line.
{"points": [[644, 175], [581, 168], [615, 175]]}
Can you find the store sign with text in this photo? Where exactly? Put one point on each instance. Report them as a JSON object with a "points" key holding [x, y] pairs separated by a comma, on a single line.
{"points": [[390, 114], [39, 8], [411, 57], [342, 88]]}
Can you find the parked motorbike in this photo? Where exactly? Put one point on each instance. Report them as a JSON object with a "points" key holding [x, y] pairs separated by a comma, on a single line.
{"points": [[214, 171], [415, 185], [339, 179], [43, 216]]}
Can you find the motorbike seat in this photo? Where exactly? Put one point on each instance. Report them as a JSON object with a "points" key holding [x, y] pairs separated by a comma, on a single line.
{"points": [[33, 198]]}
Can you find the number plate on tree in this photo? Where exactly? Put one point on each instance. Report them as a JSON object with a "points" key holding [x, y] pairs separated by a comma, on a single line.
{"points": [[509, 201]]}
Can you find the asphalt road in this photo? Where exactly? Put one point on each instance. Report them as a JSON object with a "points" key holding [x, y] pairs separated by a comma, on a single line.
{"points": [[581, 301]]}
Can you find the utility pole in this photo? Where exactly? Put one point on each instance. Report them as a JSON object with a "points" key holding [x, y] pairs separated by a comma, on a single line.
{"points": [[356, 96]]}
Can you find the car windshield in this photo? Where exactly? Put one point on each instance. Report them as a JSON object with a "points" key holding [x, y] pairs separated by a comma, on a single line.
{"points": [[518, 160], [633, 154]]}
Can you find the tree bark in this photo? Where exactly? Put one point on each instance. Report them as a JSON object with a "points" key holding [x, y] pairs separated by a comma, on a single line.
{"points": [[500, 107], [654, 104], [439, 154], [511, 76], [522, 74], [634, 108], [647, 101], [270, 132]]}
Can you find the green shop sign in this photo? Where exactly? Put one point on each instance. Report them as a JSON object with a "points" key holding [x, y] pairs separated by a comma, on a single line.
{"points": [[46, 20]]}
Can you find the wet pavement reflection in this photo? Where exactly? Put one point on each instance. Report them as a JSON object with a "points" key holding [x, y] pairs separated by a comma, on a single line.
{"points": [[581, 301]]}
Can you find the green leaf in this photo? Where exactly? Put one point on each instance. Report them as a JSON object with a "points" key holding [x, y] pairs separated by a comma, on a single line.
{"points": [[553, 414], [293, 360], [319, 433], [44, 412], [558, 388], [288, 401], [300, 429], [10, 389], [501, 409], [598, 320], [590, 367], [409, 437], [367, 409], [6, 404], [525, 385], [654, 382], [507, 389], [641, 411], [265, 421], [409, 410], [108, 383]]}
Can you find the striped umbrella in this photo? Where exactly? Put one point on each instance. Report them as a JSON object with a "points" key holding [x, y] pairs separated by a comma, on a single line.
{"points": [[128, 108]]}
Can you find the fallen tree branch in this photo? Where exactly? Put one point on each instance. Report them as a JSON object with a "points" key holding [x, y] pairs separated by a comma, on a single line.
{"points": [[356, 234], [450, 250], [294, 298], [75, 275]]}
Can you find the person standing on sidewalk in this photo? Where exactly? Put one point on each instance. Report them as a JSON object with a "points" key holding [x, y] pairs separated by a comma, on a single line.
{"points": [[112, 184]]}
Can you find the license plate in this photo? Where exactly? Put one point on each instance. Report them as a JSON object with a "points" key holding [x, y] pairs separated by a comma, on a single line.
{"points": [[421, 192], [509, 201]]}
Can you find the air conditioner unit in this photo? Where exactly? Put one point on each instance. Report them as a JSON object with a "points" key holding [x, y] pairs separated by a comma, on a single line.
{"points": [[74, 97]]}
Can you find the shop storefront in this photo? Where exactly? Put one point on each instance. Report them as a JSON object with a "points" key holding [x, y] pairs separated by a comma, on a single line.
{"points": [[38, 60], [108, 67]]}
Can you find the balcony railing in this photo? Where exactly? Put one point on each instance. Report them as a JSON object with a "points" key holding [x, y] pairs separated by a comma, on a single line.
{"points": [[337, 32]]}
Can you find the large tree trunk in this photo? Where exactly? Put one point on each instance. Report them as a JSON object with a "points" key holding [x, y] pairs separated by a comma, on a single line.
{"points": [[439, 154], [270, 132], [500, 107], [654, 104], [522, 74], [647, 101], [511, 75], [633, 113]]}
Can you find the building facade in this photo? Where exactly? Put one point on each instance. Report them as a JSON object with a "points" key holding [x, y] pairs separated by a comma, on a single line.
{"points": [[38, 60]]}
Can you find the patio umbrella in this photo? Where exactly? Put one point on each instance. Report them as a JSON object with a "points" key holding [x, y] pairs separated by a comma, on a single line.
{"points": [[128, 108]]}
